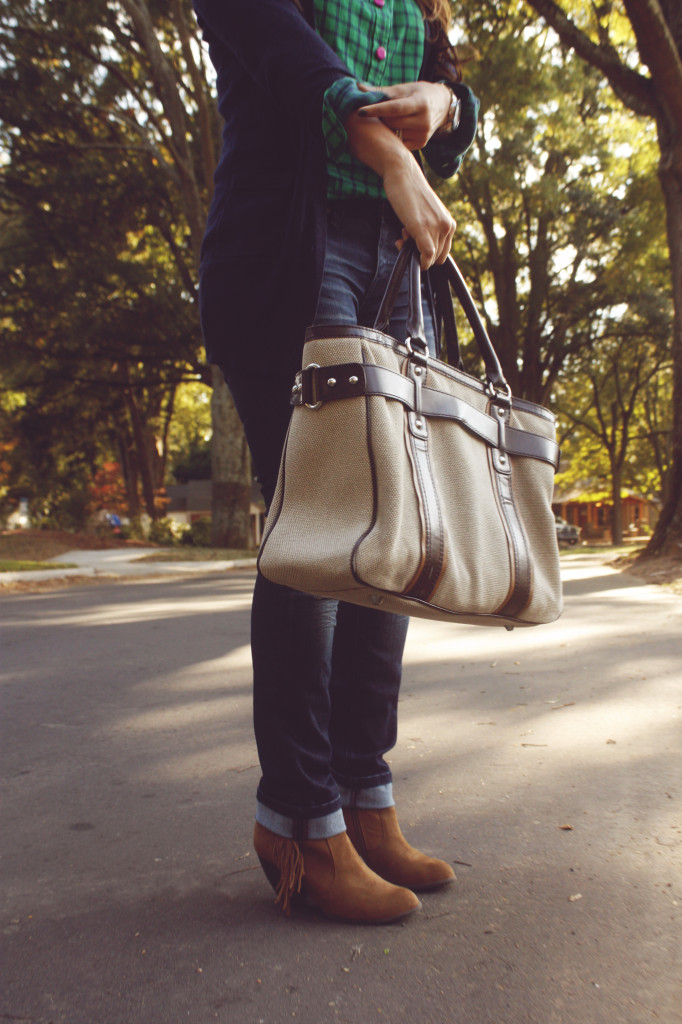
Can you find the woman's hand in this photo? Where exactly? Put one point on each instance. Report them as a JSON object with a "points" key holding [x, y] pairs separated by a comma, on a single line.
{"points": [[415, 109], [420, 211]]}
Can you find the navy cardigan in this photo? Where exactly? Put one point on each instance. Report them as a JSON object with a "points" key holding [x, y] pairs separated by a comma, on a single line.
{"points": [[263, 251]]}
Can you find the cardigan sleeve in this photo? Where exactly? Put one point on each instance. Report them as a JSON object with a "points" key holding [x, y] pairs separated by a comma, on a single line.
{"points": [[277, 47]]}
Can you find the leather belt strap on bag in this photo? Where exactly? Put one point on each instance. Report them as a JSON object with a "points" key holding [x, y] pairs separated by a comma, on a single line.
{"points": [[321, 384], [409, 485]]}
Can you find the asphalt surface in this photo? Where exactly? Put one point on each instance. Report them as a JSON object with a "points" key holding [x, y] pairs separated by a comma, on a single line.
{"points": [[117, 562], [544, 763]]}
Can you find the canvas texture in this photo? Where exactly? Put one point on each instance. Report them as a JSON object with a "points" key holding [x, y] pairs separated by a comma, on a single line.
{"points": [[348, 519]]}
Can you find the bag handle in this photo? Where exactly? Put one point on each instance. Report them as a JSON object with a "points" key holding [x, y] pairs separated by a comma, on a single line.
{"points": [[449, 271], [415, 314], [445, 317]]}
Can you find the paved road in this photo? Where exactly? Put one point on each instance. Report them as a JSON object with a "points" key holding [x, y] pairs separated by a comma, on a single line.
{"points": [[114, 562], [545, 763]]}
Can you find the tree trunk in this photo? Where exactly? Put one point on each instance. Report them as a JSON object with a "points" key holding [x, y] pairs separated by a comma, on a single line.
{"points": [[129, 477], [230, 471], [142, 455], [617, 515], [658, 31], [667, 537]]}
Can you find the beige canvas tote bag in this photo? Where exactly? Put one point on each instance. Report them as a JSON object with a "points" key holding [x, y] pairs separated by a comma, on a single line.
{"points": [[409, 485]]}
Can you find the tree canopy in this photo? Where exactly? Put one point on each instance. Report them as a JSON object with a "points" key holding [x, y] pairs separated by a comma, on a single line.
{"points": [[637, 46], [109, 132]]}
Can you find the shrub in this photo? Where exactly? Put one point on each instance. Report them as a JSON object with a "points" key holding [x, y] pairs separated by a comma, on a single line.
{"points": [[200, 533], [165, 531]]}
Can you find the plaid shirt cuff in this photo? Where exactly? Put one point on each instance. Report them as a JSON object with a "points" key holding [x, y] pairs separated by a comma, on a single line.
{"points": [[341, 99], [445, 153]]}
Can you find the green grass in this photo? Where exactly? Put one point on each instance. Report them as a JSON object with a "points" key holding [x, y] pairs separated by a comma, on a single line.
{"points": [[22, 565], [188, 553], [608, 550]]}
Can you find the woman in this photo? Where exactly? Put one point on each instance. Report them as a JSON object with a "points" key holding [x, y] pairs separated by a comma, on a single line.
{"points": [[316, 186]]}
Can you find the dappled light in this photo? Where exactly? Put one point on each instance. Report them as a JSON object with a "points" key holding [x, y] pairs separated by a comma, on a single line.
{"points": [[544, 763]]}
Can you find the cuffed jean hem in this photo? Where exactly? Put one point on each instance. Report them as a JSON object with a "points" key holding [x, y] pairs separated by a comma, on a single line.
{"points": [[354, 781], [300, 828], [375, 798]]}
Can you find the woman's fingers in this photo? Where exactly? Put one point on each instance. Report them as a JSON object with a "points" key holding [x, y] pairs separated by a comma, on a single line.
{"points": [[416, 205], [423, 215], [415, 108], [387, 109]]}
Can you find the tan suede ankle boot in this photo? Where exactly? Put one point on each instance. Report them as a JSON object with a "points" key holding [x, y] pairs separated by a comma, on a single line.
{"points": [[376, 836], [332, 875]]}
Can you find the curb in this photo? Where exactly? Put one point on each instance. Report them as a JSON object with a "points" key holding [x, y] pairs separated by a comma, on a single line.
{"points": [[130, 571]]}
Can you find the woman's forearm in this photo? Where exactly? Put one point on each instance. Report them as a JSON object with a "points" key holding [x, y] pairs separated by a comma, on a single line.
{"points": [[416, 205]]}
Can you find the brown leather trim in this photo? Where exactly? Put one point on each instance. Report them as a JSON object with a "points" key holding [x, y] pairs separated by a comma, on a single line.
{"points": [[383, 317], [427, 578], [521, 588], [523, 405], [341, 380], [321, 331], [274, 513], [424, 585], [378, 380], [375, 502]]}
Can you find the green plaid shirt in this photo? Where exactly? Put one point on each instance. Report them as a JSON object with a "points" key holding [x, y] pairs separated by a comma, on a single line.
{"points": [[382, 44]]}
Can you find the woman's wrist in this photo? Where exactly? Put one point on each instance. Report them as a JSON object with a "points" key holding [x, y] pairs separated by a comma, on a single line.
{"points": [[376, 145], [451, 118], [447, 94]]}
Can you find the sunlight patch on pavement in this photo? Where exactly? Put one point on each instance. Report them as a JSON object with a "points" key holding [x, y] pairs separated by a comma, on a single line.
{"points": [[427, 642], [219, 760], [140, 611], [642, 717], [211, 674], [180, 716]]}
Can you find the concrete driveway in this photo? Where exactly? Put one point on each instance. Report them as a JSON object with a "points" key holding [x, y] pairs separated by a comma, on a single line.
{"points": [[544, 763]]}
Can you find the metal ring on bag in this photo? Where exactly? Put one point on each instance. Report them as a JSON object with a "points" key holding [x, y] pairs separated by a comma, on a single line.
{"points": [[313, 366], [497, 392]]}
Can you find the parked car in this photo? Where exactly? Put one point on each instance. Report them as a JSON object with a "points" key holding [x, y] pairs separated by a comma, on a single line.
{"points": [[566, 533]]}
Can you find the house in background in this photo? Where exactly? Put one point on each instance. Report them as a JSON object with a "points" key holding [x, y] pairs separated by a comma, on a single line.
{"points": [[192, 501], [592, 510]]}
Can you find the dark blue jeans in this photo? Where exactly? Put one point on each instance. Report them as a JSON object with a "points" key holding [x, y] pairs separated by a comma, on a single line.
{"points": [[326, 674]]}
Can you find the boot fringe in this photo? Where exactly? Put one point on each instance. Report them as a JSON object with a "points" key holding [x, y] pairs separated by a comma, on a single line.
{"points": [[289, 860]]}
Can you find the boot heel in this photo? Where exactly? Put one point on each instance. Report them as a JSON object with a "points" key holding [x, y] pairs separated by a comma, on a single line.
{"points": [[286, 881], [272, 872]]}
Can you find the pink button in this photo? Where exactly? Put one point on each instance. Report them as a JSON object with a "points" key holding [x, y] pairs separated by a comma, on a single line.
{"points": [[381, 53], [379, 3]]}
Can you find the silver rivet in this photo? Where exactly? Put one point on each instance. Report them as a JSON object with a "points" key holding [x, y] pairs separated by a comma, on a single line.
{"points": [[417, 371], [294, 389], [331, 382], [503, 459], [418, 424], [352, 380], [500, 412]]}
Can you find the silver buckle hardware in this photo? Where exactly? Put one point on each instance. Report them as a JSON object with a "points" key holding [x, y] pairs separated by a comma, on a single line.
{"points": [[420, 354], [498, 394], [307, 381]]}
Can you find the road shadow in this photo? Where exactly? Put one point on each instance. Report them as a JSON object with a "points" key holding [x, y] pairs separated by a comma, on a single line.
{"points": [[543, 763]]}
